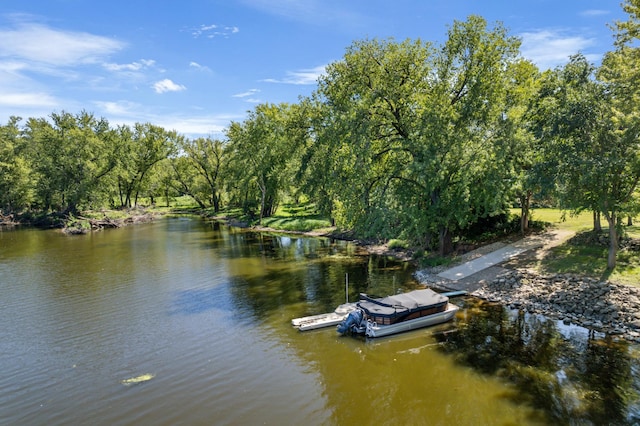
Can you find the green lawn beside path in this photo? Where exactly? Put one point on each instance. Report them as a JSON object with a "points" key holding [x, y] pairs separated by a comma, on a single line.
{"points": [[586, 253]]}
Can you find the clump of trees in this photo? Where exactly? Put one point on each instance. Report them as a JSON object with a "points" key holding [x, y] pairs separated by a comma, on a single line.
{"points": [[407, 140]]}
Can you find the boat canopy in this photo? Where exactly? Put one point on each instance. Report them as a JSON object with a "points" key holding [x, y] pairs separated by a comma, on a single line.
{"points": [[400, 303]]}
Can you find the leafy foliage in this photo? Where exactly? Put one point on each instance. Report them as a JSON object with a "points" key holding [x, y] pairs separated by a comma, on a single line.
{"points": [[412, 141]]}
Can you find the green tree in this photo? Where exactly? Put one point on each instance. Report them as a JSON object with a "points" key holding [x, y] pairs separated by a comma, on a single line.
{"points": [[363, 140], [70, 156], [465, 152], [591, 145], [514, 134], [206, 157], [620, 71], [187, 181], [142, 148], [261, 152], [16, 182], [413, 132]]}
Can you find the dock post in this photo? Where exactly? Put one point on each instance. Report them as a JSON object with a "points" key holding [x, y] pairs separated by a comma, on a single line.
{"points": [[346, 287]]}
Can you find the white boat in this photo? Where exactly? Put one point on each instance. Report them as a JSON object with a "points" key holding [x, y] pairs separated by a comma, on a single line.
{"points": [[330, 319], [397, 313]]}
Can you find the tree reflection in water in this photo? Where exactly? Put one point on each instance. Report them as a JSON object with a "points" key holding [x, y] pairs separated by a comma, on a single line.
{"points": [[576, 376]]}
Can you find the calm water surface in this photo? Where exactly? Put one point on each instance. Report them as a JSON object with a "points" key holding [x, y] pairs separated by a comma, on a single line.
{"points": [[206, 309]]}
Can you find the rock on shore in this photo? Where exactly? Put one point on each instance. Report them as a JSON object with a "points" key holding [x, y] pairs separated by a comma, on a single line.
{"points": [[600, 305]]}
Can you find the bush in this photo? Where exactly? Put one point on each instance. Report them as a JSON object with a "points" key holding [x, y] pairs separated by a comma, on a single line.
{"points": [[397, 244]]}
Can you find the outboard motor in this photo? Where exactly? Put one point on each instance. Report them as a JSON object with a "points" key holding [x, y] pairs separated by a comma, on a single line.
{"points": [[351, 322]]}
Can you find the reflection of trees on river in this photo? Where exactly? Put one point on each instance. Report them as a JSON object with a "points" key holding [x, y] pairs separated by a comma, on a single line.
{"points": [[607, 370], [270, 272], [575, 378]]}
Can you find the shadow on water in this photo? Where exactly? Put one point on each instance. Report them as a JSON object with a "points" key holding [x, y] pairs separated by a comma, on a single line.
{"points": [[265, 272], [208, 308], [575, 375]]}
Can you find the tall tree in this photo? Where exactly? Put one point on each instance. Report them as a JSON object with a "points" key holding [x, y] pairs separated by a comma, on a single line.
{"points": [[518, 141], [620, 71], [16, 180], [142, 148], [261, 151], [413, 132], [71, 155], [205, 156], [590, 145]]}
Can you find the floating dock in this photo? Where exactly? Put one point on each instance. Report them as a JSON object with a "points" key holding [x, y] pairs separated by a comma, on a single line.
{"points": [[323, 320]]}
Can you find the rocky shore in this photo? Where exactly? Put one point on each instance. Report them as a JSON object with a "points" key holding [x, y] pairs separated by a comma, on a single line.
{"points": [[595, 304]]}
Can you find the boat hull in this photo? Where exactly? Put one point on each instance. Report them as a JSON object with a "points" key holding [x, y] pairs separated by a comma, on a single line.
{"points": [[374, 330]]}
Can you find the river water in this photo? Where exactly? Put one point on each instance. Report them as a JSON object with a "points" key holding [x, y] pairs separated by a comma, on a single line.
{"points": [[204, 310]]}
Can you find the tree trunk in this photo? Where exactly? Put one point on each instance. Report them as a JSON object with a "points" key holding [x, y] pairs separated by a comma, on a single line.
{"points": [[215, 198], [629, 221], [613, 240], [525, 202], [597, 225], [263, 196], [445, 241]]}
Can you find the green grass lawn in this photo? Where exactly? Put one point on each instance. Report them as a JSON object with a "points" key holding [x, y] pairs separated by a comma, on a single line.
{"points": [[587, 259], [294, 217]]}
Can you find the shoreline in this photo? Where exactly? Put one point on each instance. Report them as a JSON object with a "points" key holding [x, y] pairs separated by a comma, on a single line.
{"points": [[599, 305]]}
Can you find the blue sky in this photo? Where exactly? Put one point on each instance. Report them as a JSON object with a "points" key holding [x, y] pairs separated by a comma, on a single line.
{"points": [[196, 65]]}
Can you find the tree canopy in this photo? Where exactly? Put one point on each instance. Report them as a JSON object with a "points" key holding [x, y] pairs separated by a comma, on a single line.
{"points": [[410, 139]]}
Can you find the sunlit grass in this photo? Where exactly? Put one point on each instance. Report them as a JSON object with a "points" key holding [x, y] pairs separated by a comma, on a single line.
{"points": [[592, 261], [563, 220], [297, 217], [587, 259]]}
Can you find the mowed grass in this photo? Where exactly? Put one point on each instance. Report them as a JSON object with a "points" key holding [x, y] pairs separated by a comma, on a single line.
{"points": [[587, 259], [302, 218]]}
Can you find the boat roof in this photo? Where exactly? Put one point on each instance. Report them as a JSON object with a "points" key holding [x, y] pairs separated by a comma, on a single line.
{"points": [[412, 300]]}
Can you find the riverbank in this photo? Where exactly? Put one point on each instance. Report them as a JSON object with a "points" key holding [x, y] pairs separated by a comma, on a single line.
{"points": [[573, 298], [81, 223], [589, 302]]}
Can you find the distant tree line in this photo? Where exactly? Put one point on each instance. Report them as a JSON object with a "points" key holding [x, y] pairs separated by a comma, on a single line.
{"points": [[407, 140]]}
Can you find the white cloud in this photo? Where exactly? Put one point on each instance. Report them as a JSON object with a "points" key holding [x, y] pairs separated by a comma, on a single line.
{"points": [[117, 108], [167, 85], [128, 113], [133, 66], [12, 67], [213, 30], [195, 126], [551, 48], [199, 67], [40, 44], [249, 92], [21, 100], [304, 76]]}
